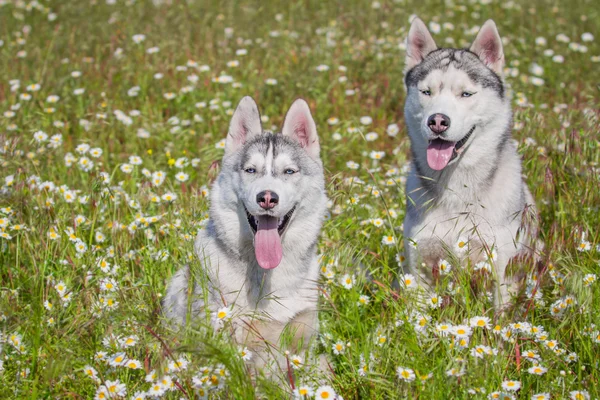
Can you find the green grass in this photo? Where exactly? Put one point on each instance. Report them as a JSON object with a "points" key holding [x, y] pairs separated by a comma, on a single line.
{"points": [[285, 41]]}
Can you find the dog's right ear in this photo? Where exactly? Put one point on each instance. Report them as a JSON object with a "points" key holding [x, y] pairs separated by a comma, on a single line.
{"points": [[418, 44], [245, 123], [300, 126], [488, 46]]}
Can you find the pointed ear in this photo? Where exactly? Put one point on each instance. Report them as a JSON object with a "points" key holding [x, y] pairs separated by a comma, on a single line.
{"points": [[418, 44], [488, 47], [300, 126], [245, 123]]}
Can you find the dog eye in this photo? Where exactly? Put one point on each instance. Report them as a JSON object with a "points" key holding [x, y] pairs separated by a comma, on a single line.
{"points": [[426, 92], [467, 94], [289, 171], [250, 170]]}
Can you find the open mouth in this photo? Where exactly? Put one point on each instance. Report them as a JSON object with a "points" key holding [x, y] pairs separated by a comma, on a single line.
{"points": [[267, 237], [441, 152], [281, 222]]}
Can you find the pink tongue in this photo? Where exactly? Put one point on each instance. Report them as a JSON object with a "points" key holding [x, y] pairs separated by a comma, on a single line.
{"points": [[267, 243], [439, 153]]}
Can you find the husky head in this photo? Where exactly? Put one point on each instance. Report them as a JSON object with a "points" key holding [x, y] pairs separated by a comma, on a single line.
{"points": [[454, 96], [270, 181]]}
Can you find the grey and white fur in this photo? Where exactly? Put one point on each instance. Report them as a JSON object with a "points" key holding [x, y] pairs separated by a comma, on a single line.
{"points": [[465, 180], [265, 296]]}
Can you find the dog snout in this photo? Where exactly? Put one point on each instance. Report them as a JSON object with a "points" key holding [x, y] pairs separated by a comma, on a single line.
{"points": [[267, 199], [438, 123]]}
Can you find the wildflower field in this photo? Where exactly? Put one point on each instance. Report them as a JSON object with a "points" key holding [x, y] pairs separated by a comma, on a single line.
{"points": [[112, 126]]}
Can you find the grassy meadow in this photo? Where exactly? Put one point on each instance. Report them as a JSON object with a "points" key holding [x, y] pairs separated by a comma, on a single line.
{"points": [[112, 126]]}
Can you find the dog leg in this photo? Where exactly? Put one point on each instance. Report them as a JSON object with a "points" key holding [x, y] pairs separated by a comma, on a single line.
{"points": [[506, 288], [175, 302], [303, 330], [511, 276]]}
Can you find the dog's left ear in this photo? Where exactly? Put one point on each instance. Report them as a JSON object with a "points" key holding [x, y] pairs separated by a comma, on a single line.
{"points": [[488, 46], [419, 43], [300, 126], [245, 123]]}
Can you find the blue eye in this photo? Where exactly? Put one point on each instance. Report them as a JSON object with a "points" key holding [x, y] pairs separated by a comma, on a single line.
{"points": [[250, 170], [426, 92], [289, 171], [467, 94]]}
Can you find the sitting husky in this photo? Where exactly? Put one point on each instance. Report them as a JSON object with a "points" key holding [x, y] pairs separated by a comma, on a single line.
{"points": [[258, 251], [466, 198]]}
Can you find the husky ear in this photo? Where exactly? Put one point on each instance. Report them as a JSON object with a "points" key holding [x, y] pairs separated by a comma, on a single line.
{"points": [[488, 46], [418, 44], [245, 123], [300, 126]]}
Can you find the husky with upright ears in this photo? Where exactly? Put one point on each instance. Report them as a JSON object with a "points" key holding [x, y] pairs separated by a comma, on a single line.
{"points": [[466, 198], [258, 251]]}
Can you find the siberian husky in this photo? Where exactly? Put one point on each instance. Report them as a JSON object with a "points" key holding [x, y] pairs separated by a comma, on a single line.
{"points": [[466, 198], [258, 251]]}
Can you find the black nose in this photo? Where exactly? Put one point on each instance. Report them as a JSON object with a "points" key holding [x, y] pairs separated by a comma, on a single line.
{"points": [[438, 123], [267, 199]]}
